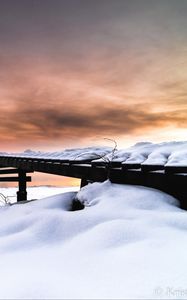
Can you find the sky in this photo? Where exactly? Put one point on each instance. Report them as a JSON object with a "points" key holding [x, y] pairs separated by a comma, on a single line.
{"points": [[73, 72]]}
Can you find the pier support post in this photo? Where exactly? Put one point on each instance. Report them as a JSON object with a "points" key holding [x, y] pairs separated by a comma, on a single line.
{"points": [[22, 185], [84, 182]]}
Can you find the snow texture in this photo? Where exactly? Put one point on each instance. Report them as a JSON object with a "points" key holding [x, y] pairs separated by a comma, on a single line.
{"points": [[35, 192], [129, 242], [70, 154], [172, 153], [166, 153]]}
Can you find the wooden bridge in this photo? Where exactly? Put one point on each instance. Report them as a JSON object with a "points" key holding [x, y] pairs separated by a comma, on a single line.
{"points": [[170, 179]]}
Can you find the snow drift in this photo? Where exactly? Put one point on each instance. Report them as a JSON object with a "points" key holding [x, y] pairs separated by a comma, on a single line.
{"points": [[128, 242], [166, 153]]}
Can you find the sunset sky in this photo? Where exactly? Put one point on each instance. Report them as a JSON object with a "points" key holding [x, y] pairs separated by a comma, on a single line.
{"points": [[73, 72]]}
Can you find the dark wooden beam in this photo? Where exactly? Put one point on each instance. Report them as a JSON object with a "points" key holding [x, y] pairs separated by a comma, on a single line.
{"points": [[166, 178], [128, 166], [84, 182], [14, 179], [175, 169], [9, 171], [22, 192], [148, 168]]}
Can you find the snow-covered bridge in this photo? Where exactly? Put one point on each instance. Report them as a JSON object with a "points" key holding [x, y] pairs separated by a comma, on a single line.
{"points": [[162, 166]]}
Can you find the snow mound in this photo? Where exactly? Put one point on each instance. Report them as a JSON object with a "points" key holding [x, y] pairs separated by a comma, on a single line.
{"points": [[146, 153], [70, 154], [128, 242], [172, 153]]}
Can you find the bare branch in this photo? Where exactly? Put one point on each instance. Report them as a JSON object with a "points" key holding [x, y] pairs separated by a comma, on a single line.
{"points": [[5, 199]]}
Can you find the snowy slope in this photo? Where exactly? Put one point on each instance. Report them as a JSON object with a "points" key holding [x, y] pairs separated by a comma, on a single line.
{"points": [[128, 242]]}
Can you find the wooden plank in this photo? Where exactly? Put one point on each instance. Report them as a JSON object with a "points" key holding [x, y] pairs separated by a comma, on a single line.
{"points": [[175, 169], [9, 171], [84, 182], [114, 164], [13, 171], [148, 168], [98, 163], [4, 161], [13, 179], [129, 166], [77, 161]]}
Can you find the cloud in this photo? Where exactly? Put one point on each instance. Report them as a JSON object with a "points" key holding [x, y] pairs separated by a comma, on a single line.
{"points": [[34, 122], [77, 70], [42, 105]]}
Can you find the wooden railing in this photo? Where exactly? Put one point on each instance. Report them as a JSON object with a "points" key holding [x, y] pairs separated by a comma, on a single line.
{"points": [[170, 179]]}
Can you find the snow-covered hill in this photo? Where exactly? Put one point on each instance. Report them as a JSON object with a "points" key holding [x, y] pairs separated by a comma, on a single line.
{"points": [[128, 242]]}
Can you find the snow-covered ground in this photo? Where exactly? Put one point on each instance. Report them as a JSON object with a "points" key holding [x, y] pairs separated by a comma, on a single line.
{"points": [[35, 192], [128, 242]]}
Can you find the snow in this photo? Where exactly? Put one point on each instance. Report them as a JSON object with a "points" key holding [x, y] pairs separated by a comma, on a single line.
{"points": [[150, 154], [34, 192], [137, 153], [178, 157], [161, 155], [146, 153], [70, 154], [129, 242]]}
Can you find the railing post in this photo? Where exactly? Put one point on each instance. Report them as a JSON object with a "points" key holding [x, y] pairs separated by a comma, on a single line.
{"points": [[84, 182], [22, 186]]}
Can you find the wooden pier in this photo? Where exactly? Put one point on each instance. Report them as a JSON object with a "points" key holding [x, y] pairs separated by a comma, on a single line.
{"points": [[172, 180]]}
